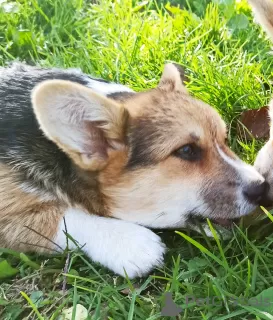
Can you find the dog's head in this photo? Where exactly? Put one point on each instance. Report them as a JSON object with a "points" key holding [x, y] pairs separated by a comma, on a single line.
{"points": [[263, 13], [161, 156], [264, 164]]}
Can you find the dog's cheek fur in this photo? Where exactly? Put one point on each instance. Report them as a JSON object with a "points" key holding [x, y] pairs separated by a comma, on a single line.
{"points": [[20, 210], [220, 179], [157, 195]]}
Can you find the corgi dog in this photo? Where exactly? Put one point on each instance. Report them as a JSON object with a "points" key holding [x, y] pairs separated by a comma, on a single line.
{"points": [[100, 162], [263, 13]]}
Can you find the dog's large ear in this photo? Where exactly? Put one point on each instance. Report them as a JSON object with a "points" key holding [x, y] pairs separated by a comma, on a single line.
{"points": [[172, 78], [82, 123]]}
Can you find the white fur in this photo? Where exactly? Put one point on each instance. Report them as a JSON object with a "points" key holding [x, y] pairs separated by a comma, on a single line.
{"points": [[264, 160], [155, 204], [105, 88], [247, 172], [115, 244], [248, 175]]}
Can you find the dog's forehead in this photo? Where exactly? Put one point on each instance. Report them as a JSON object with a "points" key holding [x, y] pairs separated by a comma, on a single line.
{"points": [[176, 114], [161, 123]]}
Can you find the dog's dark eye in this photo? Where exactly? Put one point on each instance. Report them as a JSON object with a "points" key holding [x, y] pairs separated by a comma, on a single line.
{"points": [[189, 152]]}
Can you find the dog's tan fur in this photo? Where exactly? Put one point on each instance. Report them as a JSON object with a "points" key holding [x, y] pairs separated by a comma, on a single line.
{"points": [[109, 116], [20, 210], [123, 159], [196, 123]]}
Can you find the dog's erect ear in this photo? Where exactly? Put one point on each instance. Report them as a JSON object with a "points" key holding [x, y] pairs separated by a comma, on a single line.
{"points": [[82, 123], [172, 78]]}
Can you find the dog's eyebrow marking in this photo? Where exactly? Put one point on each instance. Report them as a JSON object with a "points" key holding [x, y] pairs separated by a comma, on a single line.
{"points": [[243, 169], [213, 127], [195, 137], [234, 163]]}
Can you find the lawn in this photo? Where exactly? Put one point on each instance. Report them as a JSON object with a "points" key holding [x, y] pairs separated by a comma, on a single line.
{"points": [[228, 63]]}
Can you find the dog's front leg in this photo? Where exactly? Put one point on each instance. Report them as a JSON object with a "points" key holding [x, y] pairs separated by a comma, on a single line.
{"points": [[116, 244]]}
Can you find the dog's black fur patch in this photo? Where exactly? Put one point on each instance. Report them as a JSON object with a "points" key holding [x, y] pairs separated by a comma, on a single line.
{"points": [[37, 161], [121, 96]]}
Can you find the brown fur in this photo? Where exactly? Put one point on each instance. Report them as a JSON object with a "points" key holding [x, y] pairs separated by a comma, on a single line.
{"points": [[171, 121], [19, 210], [105, 131], [123, 161], [159, 125]]}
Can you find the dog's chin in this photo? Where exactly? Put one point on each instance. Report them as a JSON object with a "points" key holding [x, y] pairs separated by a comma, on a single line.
{"points": [[223, 227], [225, 223], [267, 203]]}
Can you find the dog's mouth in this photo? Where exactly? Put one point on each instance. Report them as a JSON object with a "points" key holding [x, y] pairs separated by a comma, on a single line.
{"points": [[222, 222], [226, 223]]}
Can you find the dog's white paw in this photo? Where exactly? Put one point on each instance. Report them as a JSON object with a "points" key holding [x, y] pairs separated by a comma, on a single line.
{"points": [[137, 250], [116, 244]]}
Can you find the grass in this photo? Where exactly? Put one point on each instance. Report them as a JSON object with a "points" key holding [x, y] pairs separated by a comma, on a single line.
{"points": [[228, 62]]}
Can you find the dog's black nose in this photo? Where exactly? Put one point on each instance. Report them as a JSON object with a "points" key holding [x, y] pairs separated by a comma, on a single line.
{"points": [[266, 199], [256, 191]]}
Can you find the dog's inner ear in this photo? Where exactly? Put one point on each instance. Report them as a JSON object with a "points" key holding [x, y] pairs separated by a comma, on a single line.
{"points": [[85, 125], [172, 78]]}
